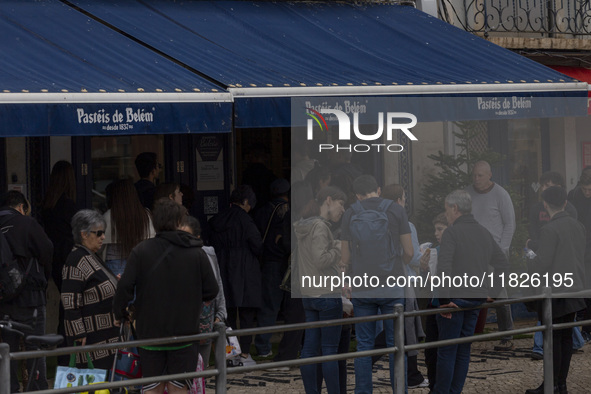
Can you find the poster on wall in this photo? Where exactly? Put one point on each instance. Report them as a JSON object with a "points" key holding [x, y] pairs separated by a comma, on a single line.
{"points": [[210, 163]]}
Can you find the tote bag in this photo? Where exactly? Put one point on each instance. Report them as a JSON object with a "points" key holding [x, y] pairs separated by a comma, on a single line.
{"points": [[73, 377]]}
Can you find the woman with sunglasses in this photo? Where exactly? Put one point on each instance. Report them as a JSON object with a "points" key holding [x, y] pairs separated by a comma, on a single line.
{"points": [[87, 291]]}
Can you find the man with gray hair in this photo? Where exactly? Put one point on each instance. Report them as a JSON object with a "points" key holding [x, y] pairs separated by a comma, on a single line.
{"points": [[467, 250], [492, 207]]}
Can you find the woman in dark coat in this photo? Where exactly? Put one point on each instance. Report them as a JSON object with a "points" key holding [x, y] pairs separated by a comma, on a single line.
{"points": [[238, 245], [88, 288], [59, 206]]}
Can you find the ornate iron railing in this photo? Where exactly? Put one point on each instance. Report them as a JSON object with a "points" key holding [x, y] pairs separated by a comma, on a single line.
{"points": [[552, 18]]}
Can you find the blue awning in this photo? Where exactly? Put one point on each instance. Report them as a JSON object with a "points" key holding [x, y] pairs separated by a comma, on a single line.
{"points": [[267, 52], [63, 73], [90, 67]]}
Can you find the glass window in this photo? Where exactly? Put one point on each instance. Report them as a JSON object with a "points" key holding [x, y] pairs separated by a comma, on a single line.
{"points": [[113, 158], [525, 162]]}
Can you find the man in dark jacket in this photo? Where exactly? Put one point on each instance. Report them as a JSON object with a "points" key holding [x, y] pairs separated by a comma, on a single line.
{"points": [[538, 217], [239, 246], [171, 277], [30, 244], [270, 220], [148, 168], [560, 253], [580, 197], [467, 249]]}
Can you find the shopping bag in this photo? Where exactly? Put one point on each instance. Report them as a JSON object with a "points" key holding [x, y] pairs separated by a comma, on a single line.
{"points": [[127, 361], [198, 386], [128, 365], [232, 346], [120, 390], [73, 377]]}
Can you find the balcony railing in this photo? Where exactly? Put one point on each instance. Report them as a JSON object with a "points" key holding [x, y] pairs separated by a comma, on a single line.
{"points": [[552, 18]]}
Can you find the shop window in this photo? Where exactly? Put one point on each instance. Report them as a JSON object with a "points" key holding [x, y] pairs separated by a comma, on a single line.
{"points": [[525, 162], [113, 158]]}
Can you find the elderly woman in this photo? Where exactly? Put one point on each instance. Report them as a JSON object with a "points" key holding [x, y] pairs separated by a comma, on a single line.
{"points": [[88, 289]]}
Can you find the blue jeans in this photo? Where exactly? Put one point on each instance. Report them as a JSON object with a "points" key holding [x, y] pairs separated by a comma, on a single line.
{"points": [[578, 340], [366, 334], [273, 272], [116, 266], [453, 361], [321, 341]]}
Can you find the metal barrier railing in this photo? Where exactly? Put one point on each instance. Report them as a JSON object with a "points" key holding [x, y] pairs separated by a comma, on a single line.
{"points": [[221, 371]]}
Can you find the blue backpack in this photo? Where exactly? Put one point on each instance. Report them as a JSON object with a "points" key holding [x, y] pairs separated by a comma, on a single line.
{"points": [[372, 247]]}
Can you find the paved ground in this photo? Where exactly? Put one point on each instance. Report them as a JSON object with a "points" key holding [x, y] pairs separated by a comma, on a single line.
{"points": [[490, 372]]}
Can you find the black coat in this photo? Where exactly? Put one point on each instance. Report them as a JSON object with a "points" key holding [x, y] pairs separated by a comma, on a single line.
{"points": [[57, 223], [583, 207], [238, 246], [469, 248], [561, 250], [538, 217], [169, 295], [28, 240], [87, 296], [272, 218], [145, 191]]}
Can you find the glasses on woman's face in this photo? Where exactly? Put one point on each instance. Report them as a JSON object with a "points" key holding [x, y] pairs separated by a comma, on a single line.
{"points": [[99, 233]]}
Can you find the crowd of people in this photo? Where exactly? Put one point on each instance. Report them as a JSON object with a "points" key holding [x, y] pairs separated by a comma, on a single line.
{"points": [[144, 262]]}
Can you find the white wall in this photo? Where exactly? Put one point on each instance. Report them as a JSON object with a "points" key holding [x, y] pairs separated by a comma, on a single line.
{"points": [[566, 138]]}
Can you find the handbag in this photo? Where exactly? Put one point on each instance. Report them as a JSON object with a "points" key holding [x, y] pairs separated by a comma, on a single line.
{"points": [[286, 283], [71, 376], [128, 365], [127, 362], [271, 219], [232, 346]]}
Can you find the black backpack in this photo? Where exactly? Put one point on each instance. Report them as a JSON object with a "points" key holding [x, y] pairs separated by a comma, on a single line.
{"points": [[13, 273]]}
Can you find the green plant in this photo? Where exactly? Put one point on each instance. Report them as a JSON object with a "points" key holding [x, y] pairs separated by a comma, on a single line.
{"points": [[454, 173]]}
